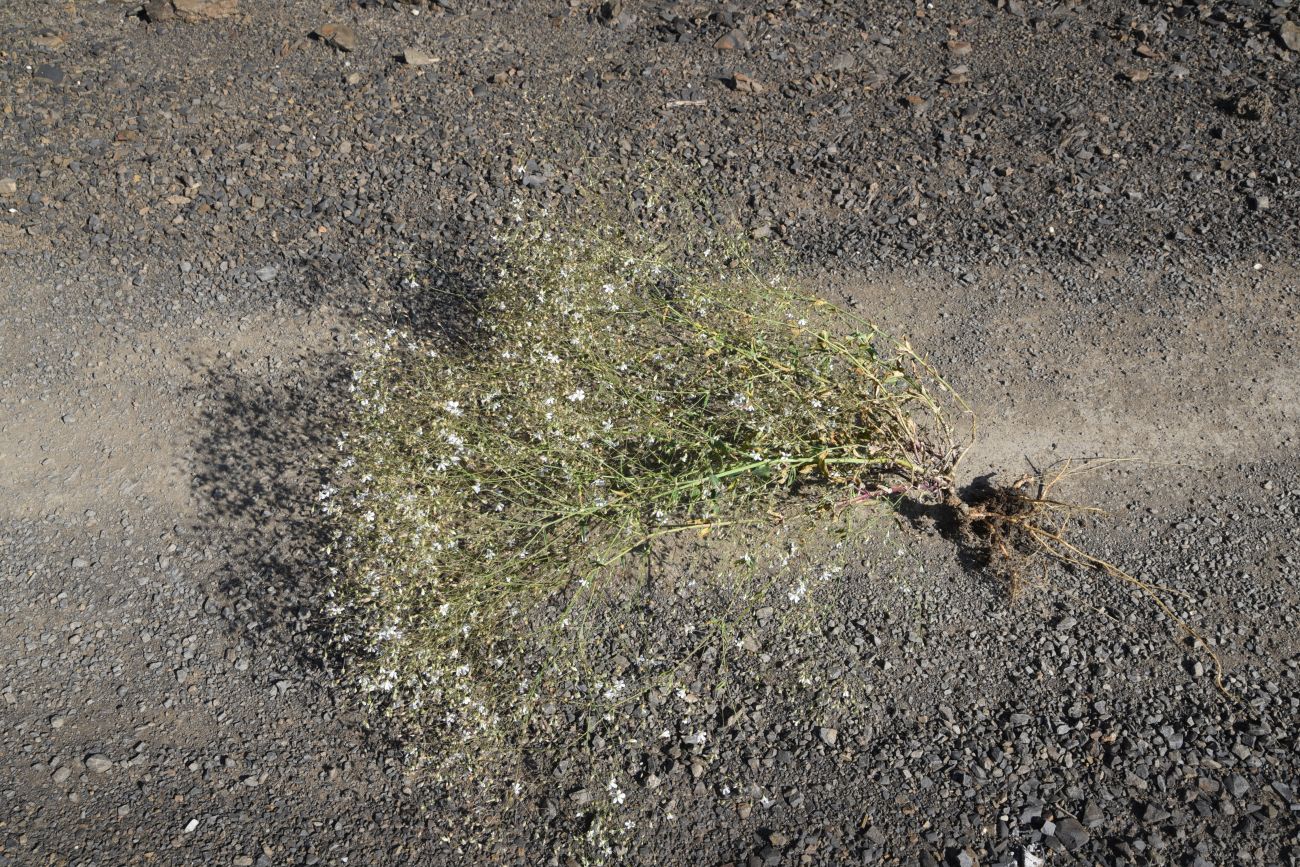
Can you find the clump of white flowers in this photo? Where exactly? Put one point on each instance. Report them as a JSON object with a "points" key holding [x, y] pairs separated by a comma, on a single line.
{"points": [[603, 401]]}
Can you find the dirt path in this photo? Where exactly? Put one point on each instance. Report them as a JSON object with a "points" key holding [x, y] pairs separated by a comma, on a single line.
{"points": [[1103, 263]]}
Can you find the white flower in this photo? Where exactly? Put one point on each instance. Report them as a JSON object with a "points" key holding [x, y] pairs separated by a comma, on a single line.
{"points": [[452, 407], [577, 395]]}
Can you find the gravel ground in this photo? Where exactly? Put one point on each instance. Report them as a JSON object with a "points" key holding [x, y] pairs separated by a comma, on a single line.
{"points": [[1087, 214]]}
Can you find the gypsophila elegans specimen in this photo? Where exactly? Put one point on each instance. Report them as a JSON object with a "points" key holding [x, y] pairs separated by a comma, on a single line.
{"points": [[605, 399]]}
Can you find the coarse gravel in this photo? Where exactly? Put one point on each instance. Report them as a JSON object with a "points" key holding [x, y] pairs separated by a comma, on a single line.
{"points": [[1086, 214]]}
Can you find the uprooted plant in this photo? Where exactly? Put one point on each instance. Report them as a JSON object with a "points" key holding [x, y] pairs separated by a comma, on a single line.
{"points": [[603, 400]]}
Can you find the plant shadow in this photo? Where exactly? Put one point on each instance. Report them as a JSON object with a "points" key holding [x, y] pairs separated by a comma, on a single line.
{"points": [[267, 448], [443, 301], [265, 454]]}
